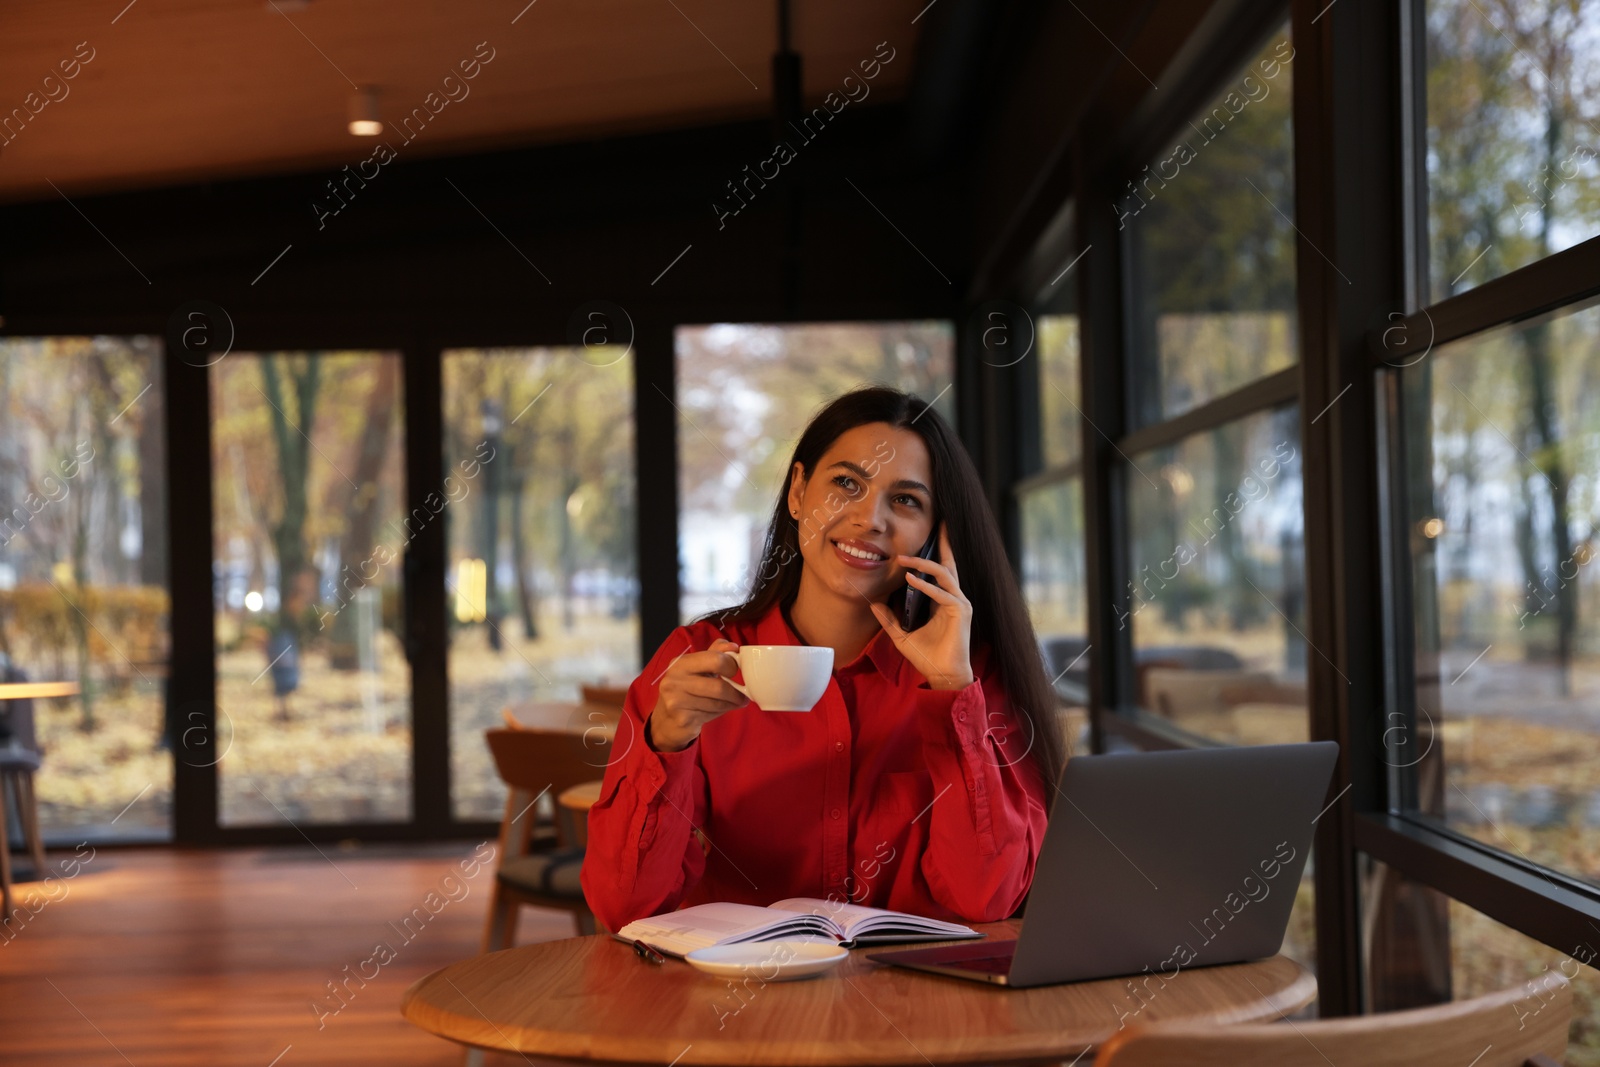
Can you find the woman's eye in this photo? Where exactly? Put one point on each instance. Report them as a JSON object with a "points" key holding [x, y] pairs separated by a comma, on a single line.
{"points": [[847, 483], [908, 501]]}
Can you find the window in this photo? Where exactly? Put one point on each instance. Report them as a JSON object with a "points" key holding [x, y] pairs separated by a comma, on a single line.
{"points": [[1504, 440], [1210, 603], [1060, 402], [83, 579], [1210, 243], [309, 531], [1216, 601], [745, 392], [541, 515], [1489, 441], [1512, 169], [1051, 520]]}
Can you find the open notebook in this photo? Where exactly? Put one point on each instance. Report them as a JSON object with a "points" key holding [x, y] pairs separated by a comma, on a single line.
{"points": [[679, 932]]}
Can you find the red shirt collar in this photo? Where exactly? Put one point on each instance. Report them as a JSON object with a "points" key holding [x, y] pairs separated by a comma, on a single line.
{"points": [[773, 629]]}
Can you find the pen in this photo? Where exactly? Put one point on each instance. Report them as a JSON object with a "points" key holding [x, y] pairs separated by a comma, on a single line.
{"points": [[647, 952]]}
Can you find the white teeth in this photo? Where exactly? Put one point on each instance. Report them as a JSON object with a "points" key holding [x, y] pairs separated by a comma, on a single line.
{"points": [[859, 554]]}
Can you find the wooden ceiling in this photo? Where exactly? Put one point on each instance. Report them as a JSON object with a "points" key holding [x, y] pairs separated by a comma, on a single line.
{"points": [[184, 90]]}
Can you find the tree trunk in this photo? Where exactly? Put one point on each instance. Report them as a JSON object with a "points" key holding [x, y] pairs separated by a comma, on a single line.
{"points": [[520, 550], [356, 548], [491, 542], [288, 534], [569, 485], [152, 484], [1546, 434]]}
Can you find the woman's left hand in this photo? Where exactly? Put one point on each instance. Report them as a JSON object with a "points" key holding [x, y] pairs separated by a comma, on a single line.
{"points": [[940, 648]]}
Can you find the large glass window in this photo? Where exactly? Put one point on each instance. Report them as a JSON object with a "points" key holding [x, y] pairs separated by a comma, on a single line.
{"points": [[83, 579], [1503, 448], [1212, 604], [1051, 520], [540, 511], [745, 392], [1211, 245], [310, 529], [1060, 405], [1216, 602], [1513, 90]]}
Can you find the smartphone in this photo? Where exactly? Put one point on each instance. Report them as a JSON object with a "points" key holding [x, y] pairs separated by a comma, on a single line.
{"points": [[919, 605]]}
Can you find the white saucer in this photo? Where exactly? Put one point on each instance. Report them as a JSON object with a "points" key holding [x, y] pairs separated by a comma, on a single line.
{"points": [[769, 961]]}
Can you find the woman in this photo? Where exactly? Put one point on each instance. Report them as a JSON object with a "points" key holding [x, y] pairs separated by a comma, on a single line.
{"points": [[920, 780]]}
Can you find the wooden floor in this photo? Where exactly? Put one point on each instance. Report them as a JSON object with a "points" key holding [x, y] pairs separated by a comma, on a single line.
{"points": [[165, 958]]}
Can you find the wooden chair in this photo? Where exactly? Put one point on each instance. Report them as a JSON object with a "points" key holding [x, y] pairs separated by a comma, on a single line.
{"points": [[19, 761], [535, 764], [612, 695], [1522, 1027]]}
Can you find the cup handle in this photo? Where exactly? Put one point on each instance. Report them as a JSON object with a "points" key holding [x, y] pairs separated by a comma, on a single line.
{"points": [[733, 683]]}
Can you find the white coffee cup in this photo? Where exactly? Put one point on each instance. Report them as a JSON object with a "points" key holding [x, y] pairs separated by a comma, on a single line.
{"points": [[784, 677]]}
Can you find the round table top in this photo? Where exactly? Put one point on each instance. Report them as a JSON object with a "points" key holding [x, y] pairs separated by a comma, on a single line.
{"points": [[568, 717], [582, 796], [592, 999]]}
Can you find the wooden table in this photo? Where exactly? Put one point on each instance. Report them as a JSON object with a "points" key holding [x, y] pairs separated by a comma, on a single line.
{"points": [[37, 690], [592, 1000], [568, 717]]}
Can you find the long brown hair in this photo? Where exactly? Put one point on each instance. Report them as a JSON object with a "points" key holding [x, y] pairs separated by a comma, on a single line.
{"points": [[999, 619]]}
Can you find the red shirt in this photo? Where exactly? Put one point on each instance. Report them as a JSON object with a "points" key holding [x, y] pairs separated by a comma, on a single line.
{"points": [[887, 793]]}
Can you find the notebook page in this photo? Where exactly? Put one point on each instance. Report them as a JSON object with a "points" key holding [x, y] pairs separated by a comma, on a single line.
{"points": [[704, 925], [856, 920], [845, 914]]}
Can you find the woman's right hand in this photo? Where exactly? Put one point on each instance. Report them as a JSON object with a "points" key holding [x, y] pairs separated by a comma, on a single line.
{"points": [[694, 690]]}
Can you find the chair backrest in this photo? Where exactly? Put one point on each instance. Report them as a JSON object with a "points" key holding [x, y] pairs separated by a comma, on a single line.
{"points": [[535, 760], [1506, 1029], [1175, 690], [611, 695]]}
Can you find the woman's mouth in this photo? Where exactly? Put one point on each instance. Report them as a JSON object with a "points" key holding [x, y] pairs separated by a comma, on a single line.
{"points": [[860, 555]]}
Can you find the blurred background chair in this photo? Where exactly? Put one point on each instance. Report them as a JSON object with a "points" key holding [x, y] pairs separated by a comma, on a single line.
{"points": [[537, 766], [1519, 1027], [19, 762], [613, 696]]}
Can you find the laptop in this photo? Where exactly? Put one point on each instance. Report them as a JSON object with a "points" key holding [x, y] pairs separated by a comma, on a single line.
{"points": [[1158, 862]]}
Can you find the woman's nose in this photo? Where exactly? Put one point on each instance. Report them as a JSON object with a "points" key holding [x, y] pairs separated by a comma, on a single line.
{"points": [[869, 511]]}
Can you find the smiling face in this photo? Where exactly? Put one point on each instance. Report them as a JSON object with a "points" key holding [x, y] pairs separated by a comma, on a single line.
{"points": [[869, 499]]}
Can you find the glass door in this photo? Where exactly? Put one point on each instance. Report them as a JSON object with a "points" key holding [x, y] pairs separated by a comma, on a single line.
{"points": [[539, 510], [83, 582], [309, 529]]}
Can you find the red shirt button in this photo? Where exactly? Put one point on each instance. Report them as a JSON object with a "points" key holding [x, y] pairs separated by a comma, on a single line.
{"points": [[835, 813], [838, 746], [961, 716]]}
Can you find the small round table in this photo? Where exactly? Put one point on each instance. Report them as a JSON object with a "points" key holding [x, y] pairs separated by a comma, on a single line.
{"points": [[574, 803], [593, 1000], [567, 717]]}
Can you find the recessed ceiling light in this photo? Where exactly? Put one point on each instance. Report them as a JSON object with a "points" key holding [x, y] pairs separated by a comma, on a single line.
{"points": [[364, 121]]}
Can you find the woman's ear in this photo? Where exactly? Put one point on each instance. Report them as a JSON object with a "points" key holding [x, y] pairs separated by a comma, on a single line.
{"points": [[797, 490]]}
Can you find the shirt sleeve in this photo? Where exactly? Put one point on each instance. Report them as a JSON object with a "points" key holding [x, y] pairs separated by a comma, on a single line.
{"points": [[988, 816], [642, 856]]}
